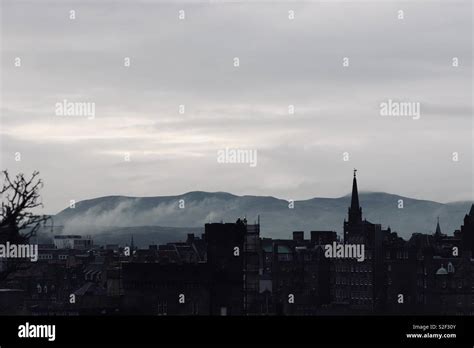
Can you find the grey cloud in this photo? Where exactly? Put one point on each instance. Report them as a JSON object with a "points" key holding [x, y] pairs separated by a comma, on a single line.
{"points": [[282, 62]]}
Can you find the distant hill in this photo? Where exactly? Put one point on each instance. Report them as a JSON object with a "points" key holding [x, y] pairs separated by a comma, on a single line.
{"points": [[116, 217]]}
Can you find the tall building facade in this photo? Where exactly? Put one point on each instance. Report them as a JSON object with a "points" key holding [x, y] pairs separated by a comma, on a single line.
{"points": [[357, 284]]}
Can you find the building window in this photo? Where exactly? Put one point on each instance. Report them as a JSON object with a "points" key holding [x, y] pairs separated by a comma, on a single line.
{"points": [[162, 308]]}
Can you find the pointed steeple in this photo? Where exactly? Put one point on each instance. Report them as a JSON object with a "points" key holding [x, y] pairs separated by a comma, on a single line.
{"points": [[355, 193], [355, 211], [438, 229]]}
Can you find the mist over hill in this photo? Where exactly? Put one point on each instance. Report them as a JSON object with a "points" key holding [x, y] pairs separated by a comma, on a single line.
{"points": [[167, 218]]}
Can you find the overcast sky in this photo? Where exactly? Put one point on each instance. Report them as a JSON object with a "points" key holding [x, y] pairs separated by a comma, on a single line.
{"points": [[282, 62]]}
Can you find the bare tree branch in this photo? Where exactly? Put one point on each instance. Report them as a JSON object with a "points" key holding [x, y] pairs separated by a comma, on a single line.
{"points": [[18, 223]]}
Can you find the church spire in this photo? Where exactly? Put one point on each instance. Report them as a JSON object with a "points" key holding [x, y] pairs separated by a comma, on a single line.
{"points": [[438, 229], [355, 193], [355, 211]]}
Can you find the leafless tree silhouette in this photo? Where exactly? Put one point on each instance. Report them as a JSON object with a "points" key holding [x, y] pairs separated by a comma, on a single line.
{"points": [[18, 223]]}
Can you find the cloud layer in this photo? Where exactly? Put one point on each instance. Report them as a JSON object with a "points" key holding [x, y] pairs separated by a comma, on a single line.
{"points": [[282, 62]]}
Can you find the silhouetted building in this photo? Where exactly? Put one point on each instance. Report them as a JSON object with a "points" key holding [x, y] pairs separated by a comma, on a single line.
{"points": [[467, 234], [359, 284]]}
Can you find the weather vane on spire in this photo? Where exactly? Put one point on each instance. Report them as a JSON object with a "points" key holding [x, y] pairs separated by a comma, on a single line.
{"points": [[355, 170]]}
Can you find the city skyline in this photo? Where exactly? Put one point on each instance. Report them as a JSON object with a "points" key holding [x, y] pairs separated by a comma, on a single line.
{"points": [[231, 270]]}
